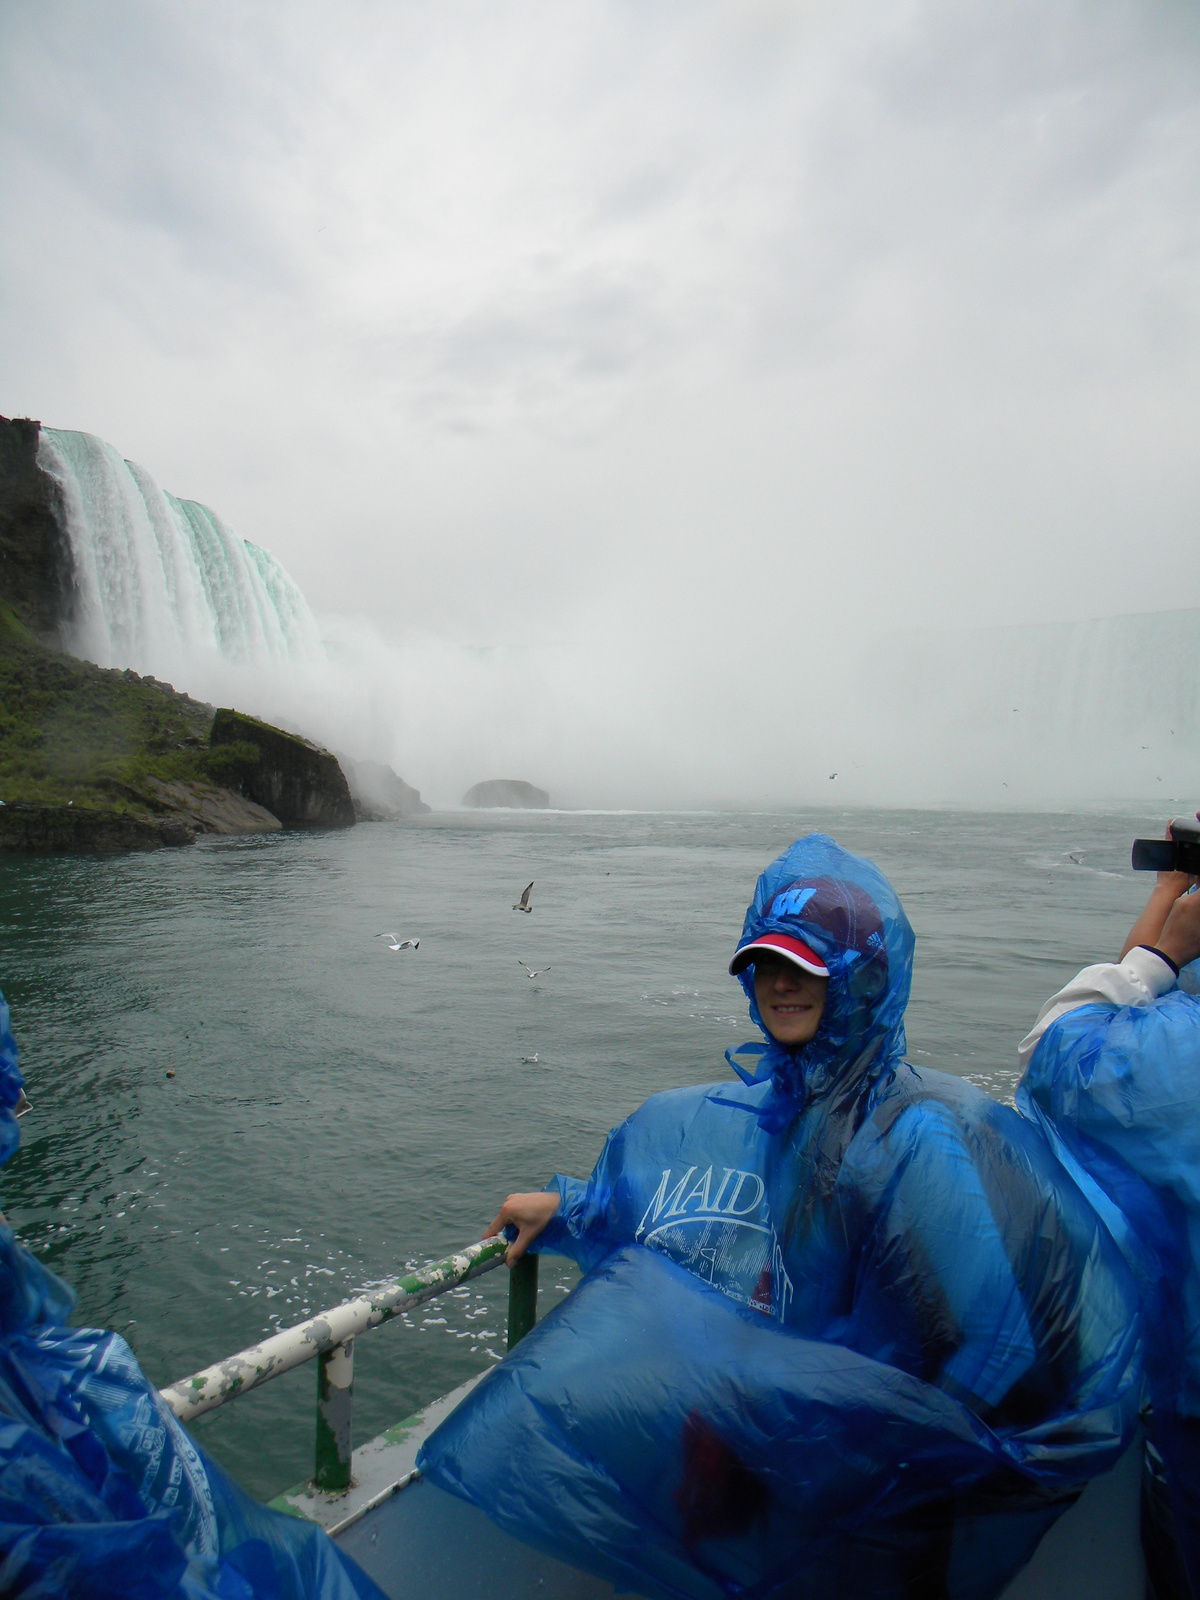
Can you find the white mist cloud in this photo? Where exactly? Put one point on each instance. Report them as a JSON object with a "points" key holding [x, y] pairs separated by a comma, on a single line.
{"points": [[647, 348]]}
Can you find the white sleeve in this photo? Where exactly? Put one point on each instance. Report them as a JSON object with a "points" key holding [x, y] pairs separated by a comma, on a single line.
{"points": [[1141, 977]]}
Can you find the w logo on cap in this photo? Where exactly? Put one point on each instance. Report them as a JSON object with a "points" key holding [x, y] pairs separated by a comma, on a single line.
{"points": [[837, 907], [791, 902]]}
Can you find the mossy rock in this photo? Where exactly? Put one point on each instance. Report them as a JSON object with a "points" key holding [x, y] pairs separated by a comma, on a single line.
{"points": [[71, 732], [93, 759], [72, 829], [291, 777]]}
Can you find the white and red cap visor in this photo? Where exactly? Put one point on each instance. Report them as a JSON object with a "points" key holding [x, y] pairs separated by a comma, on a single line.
{"points": [[780, 944]]}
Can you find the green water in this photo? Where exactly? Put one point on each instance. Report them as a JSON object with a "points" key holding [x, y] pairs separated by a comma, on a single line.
{"points": [[339, 1112]]}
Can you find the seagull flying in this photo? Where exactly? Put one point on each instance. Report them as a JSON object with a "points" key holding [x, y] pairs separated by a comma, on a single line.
{"points": [[523, 903], [399, 944], [1077, 856], [832, 776], [530, 970]]}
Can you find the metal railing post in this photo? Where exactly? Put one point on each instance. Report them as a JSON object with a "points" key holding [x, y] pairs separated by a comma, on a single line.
{"points": [[329, 1338], [522, 1298], [335, 1399], [290, 1347]]}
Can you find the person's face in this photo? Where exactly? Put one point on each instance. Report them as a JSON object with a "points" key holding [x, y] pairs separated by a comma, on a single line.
{"points": [[790, 1000]]}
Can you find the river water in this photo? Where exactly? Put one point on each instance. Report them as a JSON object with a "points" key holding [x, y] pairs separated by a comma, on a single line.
{"points": [[339, 1112]]}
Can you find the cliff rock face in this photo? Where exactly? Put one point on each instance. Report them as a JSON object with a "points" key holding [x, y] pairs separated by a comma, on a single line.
{"points": [[294, 780], [507, 792], [78, 830], [98, 760], [37, 572], [379, 794], [208, 808]]}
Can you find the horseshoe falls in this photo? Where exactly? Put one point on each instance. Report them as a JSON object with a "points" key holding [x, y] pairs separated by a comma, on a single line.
{"points": [[164, 585], [1051, 713]]}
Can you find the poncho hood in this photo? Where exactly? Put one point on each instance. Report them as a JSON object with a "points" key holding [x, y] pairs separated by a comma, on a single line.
{"points": [[843, 907]]}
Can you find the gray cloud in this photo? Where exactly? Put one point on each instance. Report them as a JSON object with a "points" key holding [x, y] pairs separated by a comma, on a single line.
{"points": [[632, 324]]}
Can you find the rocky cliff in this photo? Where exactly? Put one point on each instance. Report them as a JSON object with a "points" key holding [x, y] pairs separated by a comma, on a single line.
{"points": [[74, 830], [37, 573], [507, 792], [379, 794], [100, 760], [295, 780]]}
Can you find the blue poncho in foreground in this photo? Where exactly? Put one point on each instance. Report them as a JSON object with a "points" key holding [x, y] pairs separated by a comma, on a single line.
{"points": [[847, 1330], [103, 1496], [1119, 1087]]}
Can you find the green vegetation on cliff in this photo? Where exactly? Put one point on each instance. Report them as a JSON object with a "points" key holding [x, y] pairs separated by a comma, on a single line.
{"points": [[99, 759], [74, 732]]}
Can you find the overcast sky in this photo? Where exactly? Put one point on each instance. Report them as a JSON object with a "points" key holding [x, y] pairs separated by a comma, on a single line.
{"points": [[742, 323]]}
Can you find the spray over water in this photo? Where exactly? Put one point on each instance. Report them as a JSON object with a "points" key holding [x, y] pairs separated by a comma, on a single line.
{"points": [[648, 705]]}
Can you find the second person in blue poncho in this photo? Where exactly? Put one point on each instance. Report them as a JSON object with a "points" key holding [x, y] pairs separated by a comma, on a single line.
{"points": [[880, 1233], [1112, 1070]]}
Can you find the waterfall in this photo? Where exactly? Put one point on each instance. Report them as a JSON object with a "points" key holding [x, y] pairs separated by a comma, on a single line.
{"points": [[1102, 709], [164, 585]]}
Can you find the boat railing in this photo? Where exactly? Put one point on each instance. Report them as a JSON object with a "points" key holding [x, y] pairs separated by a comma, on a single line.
{"points": [[329, 1338]]}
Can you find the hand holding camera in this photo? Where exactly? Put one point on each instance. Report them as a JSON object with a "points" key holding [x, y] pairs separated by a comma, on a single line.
{"points": [[1179, 940], [1172, 913], [1177, 854]]}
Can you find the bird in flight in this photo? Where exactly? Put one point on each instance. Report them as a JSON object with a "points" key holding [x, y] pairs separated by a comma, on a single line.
{"points": [[523, 903], [1077, 856], [398, 943], [530, 970], [832, 776]]}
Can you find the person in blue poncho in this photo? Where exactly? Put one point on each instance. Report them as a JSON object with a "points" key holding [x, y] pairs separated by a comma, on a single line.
{"points": [[103, 1496], [1112, 1071], [851, 1330]]}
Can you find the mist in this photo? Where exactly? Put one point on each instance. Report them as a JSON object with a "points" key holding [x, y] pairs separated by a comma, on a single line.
{"points": [[668, 405]]}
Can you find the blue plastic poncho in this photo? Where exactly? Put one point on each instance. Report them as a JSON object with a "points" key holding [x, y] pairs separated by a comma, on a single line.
{"points": [[848, 1330], [103, 1496], [1119, 1089]]}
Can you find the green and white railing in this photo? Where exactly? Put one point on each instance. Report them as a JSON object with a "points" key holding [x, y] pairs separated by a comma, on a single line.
{"points": [[329, 1338]]}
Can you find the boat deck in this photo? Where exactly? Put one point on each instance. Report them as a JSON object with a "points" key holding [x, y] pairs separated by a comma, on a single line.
{"points": [[416, 1541], [423, 1542]]}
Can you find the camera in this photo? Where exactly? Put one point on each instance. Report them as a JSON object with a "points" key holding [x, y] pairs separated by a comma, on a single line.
{"points": [[1179, 853]]}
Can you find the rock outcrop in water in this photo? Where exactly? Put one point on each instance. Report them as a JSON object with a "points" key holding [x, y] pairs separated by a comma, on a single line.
{"points": [[514, 792], [37, 571], [379, 794], [293, 779]]}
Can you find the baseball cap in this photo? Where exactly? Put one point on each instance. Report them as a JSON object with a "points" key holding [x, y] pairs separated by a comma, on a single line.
{"points": [[780, 944]]}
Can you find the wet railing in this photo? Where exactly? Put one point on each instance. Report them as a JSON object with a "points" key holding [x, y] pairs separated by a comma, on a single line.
{"points": [[329, 1338]]}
